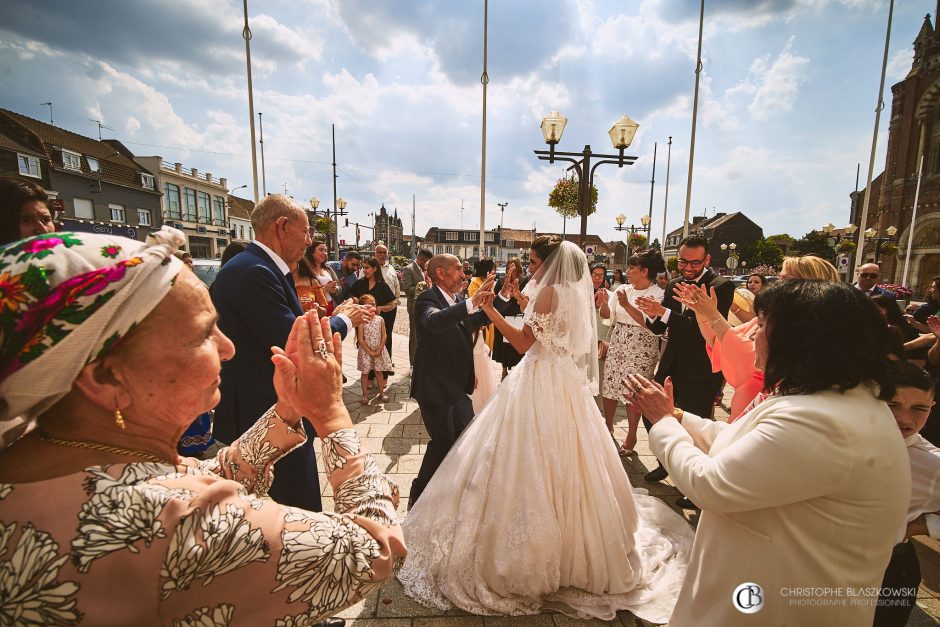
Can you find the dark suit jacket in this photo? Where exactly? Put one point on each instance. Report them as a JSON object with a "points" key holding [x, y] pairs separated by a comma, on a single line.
{"points": [[685, 356], [443, 368]]}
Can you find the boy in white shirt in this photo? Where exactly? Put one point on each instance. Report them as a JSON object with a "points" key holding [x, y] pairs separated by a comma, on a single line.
{"points": [[911, 405]]}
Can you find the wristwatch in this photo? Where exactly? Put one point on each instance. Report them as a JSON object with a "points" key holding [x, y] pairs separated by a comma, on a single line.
{"points": [[678, 414]]}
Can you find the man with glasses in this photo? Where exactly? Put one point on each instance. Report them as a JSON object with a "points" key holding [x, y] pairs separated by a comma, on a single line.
{"points": [[685, 358], [868, 275]]}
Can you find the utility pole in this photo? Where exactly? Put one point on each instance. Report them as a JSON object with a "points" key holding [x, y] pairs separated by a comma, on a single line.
{"points": [[246, 34], [264, 184], [49, 104]]}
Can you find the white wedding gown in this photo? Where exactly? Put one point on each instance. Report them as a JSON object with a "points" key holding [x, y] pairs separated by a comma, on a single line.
{"points": [[532, 510]]}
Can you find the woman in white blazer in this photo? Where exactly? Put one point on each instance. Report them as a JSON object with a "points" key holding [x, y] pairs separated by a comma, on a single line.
{"points": [[803, 495]]}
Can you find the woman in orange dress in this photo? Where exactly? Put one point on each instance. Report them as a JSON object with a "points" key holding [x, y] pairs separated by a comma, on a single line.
{"points": [[317, 284]]}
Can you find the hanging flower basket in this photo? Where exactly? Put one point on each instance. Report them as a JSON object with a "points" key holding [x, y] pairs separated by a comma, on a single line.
{"points": [[846, 247], [564, 198], [637, 241], [889, 249]]}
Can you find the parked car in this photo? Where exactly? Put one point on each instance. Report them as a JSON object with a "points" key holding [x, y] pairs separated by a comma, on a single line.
{"points": [[207, 269]]}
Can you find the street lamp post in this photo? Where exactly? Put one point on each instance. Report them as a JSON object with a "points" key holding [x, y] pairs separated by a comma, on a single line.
{"points": [[871, 234], [621, 136], [732, 261], [314, 203], [645, 221]]}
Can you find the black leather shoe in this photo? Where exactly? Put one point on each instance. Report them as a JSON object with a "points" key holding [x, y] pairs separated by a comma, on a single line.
{"points": [[657, 474], [331, 622], [685, 503]]}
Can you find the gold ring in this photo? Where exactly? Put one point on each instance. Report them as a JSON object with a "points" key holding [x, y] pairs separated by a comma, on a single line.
{"points": [[693, 301]]}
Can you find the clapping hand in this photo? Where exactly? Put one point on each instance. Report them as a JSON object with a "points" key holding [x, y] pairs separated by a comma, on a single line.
{"points": [[650, 306], [702, 300], [652, 400], [308, 375], [600, 297], [485, 291], [933, 323]]}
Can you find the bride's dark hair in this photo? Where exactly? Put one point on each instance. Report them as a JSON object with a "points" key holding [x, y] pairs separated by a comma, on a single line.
{"points": [[545, 245]]}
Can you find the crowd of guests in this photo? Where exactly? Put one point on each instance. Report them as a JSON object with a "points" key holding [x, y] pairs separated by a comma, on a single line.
{"points": [[827, 465]]}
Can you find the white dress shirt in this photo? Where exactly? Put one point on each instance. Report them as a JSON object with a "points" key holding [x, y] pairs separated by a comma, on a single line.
{"points": [[274, 257], [925, 484], [471, 308], [618, 314], [391, 277]]}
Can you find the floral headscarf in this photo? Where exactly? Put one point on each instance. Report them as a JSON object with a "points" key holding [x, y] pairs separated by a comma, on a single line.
{"points": [[65, 300]]}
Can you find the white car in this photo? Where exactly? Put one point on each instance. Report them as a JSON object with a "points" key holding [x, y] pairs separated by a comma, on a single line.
{"points": [[207, 269]]}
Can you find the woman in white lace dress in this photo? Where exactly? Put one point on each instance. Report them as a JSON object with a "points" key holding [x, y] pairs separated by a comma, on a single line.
{"points": [[532, 510]]}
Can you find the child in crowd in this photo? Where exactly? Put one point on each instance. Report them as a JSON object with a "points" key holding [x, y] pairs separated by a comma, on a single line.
{"points": [[911, 405], [372, 352]]}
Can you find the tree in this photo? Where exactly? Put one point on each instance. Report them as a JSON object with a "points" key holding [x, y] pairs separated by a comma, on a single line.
{"points": [[783, 241], [764, 252], [672, 264], [815, 243], [656, 245], [564, 198]]}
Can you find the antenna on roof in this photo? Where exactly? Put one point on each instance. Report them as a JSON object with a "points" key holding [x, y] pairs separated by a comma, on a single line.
{"points": [[100, 126], [48, 104]]}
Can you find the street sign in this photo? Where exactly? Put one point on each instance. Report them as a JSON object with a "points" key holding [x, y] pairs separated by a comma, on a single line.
{"points": [[589, 250], [342, 242]]}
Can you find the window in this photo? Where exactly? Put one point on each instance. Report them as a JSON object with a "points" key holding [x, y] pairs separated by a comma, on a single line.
{"points": [[204, 216], [71, 160], [510, 243], [200, 247], [189, 204], [147, 181], [143, 217], [449, 249], [117, 213], [29, 166], [251, 233], [84, 208], [218, 210], [93, 164], [490, 237], [472, 236], [241, 231], [171, 201], [451, 236]]}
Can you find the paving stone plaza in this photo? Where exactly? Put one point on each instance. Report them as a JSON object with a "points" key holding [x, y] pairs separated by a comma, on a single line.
{"points": [[394, 434]]}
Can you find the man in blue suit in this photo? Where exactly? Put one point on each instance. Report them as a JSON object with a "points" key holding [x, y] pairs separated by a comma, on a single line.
{"points": [[443, 374], [868, 277], [257, 304]]}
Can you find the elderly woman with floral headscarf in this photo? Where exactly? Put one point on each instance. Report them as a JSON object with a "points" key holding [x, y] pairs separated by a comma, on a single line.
{"points": [[108, 350]]}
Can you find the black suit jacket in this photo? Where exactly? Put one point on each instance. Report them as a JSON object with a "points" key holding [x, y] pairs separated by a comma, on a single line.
{"points": [[443, 369], [685, 355]]}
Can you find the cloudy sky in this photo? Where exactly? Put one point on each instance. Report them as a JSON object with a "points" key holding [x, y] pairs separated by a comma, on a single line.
{"points": [[786, 111]]}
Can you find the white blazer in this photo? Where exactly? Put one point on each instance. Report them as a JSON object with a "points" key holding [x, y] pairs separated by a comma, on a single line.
{"points": [[802, 492]]}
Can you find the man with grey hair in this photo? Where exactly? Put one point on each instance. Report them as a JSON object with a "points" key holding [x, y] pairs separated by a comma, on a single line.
{"points": [[257, 304]]}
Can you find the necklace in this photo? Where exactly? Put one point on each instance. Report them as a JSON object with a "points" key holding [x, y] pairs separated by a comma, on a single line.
{"points": [[98, 446]]}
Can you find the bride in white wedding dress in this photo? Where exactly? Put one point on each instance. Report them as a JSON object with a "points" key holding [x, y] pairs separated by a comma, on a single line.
{"points": [[531, 509]]}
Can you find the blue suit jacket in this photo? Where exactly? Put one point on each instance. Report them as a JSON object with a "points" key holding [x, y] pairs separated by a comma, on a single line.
{"points": [[257, 307]]}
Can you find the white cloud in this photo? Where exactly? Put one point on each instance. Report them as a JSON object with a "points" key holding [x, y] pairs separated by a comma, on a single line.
{"points": [[771, 85]]}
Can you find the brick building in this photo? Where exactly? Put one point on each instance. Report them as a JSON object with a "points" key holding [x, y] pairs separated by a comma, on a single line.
{"points": [[913, 132]]}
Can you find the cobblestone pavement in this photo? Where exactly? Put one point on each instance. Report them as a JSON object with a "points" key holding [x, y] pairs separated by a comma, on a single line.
{"points": [[393, 433]]}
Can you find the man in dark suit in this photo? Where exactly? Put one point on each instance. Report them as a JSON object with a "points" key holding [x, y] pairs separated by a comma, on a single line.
{"points": [[868, 276], [257, 304], [410, 277], [443, 375], [685, 358]]}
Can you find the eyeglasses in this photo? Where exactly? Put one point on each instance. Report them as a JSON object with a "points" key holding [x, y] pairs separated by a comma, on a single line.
{"points": [[865, 275], [695, 263]]}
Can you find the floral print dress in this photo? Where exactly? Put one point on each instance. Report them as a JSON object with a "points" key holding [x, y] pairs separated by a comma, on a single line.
{"points": [[197, 543]]}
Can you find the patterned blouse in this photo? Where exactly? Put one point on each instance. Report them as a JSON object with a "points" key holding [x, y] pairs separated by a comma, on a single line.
{"points": [[197, 543]]}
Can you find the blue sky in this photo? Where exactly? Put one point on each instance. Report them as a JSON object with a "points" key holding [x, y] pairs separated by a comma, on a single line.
{"points": [[786, 106]]}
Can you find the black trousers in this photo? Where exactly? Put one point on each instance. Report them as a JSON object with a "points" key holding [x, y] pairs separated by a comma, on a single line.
{"points": [[295, 476], [902, 577], [389, 318], [444, 424]]}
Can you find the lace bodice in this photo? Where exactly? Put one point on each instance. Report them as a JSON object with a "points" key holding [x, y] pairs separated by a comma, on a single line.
{"points": [[549, 332]]}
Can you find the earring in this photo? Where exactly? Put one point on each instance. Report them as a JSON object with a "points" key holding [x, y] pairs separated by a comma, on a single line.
{"points": [[118, 418]]}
